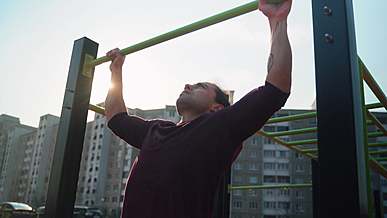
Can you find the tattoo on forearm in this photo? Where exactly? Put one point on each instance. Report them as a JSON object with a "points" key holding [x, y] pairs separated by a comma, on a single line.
{"points": [[270, 62]]}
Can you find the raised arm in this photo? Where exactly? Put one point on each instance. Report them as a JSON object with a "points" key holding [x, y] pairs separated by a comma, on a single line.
{"points": [[114, 102], [279, 65]]}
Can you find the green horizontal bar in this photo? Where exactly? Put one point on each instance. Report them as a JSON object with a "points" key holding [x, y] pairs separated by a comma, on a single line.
{"points": [[246, 8], [375, 134], [374, 105], [281, 142], [310, 150], [97, 109], [380, 158], [378, 152], [292, 132], [377, 144], [292, 117], [246, 187], [302, 142]]}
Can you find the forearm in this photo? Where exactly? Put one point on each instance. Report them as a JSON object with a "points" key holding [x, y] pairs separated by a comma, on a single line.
{"points": [[114, 102], [279, 65]]}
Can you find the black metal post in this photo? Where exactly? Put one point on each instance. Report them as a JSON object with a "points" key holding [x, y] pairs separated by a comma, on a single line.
{"points": [[377, 195], [343, 180], [315, 187], [68, 148]]}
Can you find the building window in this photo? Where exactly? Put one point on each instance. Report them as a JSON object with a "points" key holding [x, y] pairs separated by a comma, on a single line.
{"points": [[269, 166], [253, 204], [237, 179], [269, 192], [237, 204], [237, 192], [284, 192], [299, 156], [269, 179], [283, 179], [253, 180], [252, 193], [237, 166], [299, 168], [283, 154], [299, 194], [284, 205], [253, 154], [299, 207], [172, 113], [269, 205], [283, 166], [252, 166], [269, 153]]}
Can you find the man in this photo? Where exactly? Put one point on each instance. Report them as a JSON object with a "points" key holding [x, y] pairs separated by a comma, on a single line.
{"points": [[180, 165]]}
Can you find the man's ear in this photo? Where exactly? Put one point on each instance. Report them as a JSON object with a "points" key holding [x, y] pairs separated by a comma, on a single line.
{"points": [[216, 107]]}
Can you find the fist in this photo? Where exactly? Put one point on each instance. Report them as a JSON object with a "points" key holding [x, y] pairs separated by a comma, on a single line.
{"points": [[117, 60], [275, 11]]}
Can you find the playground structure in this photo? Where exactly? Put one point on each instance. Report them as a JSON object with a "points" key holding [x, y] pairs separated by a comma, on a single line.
{"points": [[341, 154]]}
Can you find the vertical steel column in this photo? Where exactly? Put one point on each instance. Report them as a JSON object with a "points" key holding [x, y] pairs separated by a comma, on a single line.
{"points": [[315, 187], [377, 195], [343, 180], [68, 148]]}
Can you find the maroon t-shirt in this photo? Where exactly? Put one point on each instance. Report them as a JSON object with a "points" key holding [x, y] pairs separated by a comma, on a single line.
{"points": [[179, 166]]}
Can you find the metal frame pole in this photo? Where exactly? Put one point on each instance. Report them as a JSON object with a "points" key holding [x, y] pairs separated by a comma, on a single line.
{"points": [[68, 148], [315, 187], [343, 180]]}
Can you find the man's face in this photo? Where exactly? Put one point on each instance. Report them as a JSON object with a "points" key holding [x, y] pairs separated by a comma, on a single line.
{"points": [[197, 98]]}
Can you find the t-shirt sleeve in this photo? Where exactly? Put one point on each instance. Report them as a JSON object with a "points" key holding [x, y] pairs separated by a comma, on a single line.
{"points": [[131, 129], [251, 112]]}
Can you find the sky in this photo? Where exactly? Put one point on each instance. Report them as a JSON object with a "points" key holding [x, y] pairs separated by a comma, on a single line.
{"points": [[36, 39]]}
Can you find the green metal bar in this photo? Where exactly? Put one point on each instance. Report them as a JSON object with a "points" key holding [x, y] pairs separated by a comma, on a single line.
{"points": [[365, 147], [292, 132], [369, 122], [302, 142], [377, 167], [371, 82], [378, 152], [97, 109], [246, 8], [281, 142], [376, 122], [280, 186], [292, 117], [380, 158], [377, 144], [310, 150], [375, 134], [374, 106]]}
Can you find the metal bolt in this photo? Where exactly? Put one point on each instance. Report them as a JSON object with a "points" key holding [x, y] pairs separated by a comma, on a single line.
{"points": [[328, 38], [327, 11]]}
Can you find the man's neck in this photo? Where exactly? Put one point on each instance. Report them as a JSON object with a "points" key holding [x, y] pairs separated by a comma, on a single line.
{"points": [[187, 117]]}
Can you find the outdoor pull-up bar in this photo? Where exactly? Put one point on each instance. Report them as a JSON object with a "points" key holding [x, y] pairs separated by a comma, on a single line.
{"points": [[243, 9]]}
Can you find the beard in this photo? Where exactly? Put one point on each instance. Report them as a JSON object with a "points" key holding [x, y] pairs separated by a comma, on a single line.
{"points": [[186, 102]]}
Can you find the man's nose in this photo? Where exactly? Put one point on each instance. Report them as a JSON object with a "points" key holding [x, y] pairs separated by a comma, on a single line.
{"points": [[187, 87]]}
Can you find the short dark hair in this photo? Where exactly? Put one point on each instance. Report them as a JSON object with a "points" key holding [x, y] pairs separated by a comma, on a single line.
{"points": [[221, 97]]}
